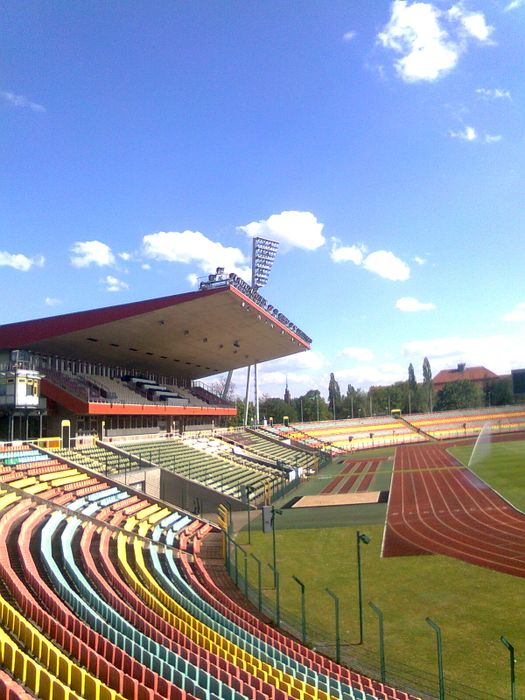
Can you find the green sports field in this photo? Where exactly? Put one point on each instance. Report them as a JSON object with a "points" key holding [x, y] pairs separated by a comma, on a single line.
{"points": [[472, 605]]}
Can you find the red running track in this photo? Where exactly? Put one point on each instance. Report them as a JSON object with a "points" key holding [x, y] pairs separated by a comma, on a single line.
{"points": [[438, 506], [355, 468]]}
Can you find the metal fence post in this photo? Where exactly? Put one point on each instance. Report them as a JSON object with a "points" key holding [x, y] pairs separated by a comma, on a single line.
{"points": [[380, 618], [337, 632], [259, 581], [512, 660], [441, 674], [277, 596], [303, 609]]}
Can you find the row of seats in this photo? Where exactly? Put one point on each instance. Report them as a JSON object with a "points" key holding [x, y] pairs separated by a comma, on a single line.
{"points": [[111, 600], [383, 430], [211, 470], [451, 424], [260, 444]]}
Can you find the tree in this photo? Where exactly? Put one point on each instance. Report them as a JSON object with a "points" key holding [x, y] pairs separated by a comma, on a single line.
{"points": [[334, 396], [354, 403], [220, 386], [412, 387], [427, 382], [459, 395], [312, 405], [499, 392], [277, 408]]}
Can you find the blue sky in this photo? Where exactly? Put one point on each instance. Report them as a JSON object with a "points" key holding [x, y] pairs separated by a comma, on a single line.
{"points": [[382, 143]]}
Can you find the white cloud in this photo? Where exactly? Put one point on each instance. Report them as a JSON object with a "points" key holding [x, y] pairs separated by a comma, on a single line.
{"points": [[387, 265], [429, 40], [20, 262], [514, 5], [293, 229], [472, 22], [309, 360], [348, 36], [87, 253], [383, 262], [114, 285], [348, 253], [360, 354], [125, 256], [20, 101], [420, 261], [517, 314], [194, 247], [494, 94], [414, 31], [365, 375], [52, 301], [146, 266], [193, 279], [498, 353], [411, 304], [468, 134]]}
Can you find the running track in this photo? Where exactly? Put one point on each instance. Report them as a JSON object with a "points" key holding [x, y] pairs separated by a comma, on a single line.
{"points": [[438, 506]]}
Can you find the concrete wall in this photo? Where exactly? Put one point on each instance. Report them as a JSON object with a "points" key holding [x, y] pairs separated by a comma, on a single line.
{"points": [[146, 480], [194, 497]]}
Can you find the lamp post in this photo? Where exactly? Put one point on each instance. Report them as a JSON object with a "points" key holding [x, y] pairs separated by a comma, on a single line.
{"points": [[259, 581], [439, 643], [380, 618], [275, 511], [512, 660], [365, 539], [303, 609], [277, 596], [337, 632]]}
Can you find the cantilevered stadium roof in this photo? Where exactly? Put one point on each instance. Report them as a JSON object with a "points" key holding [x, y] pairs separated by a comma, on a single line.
{"points": [[190, 335]]}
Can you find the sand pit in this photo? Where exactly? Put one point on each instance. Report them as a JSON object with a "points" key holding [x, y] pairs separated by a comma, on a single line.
{"points": [[337, 499]]}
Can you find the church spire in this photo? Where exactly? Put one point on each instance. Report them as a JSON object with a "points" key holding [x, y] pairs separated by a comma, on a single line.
{"points": [[287, 397]]}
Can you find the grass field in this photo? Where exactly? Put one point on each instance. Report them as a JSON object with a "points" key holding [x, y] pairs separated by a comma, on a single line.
{"points": [[473, 606]]}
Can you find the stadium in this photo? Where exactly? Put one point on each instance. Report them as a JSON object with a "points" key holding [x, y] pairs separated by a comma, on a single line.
{"points": [[150, 550]]}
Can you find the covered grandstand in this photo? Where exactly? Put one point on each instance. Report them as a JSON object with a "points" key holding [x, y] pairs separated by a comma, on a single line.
{"points": [[138, 368]]}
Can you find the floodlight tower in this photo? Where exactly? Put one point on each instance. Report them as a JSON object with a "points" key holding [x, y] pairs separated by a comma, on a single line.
{"points": [[264, 251]]}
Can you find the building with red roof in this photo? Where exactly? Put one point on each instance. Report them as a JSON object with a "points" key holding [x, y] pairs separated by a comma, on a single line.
{"points": [[478, 375]]}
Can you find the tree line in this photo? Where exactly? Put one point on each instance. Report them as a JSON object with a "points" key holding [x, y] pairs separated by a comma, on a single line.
{"points": [[408, 396]]}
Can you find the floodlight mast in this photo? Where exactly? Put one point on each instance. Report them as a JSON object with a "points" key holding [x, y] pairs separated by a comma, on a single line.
{"points": [[264, 251]]}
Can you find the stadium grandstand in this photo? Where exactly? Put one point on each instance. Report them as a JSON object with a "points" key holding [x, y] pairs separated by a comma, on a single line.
{"points": [[99, 378], [109, 588], [364, 433], [104, 594], [137, 368]]}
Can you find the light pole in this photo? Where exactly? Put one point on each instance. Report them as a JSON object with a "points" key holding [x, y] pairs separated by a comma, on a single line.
{"points": [[512, 660], [337, 632], [365, 539], [275, 511], [277, 596], [264, 251], [303, 609], [380, 618], [439, 643]]}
